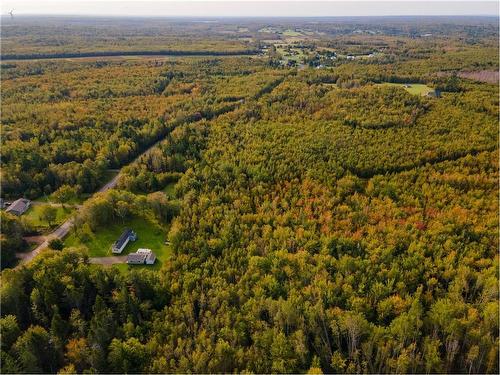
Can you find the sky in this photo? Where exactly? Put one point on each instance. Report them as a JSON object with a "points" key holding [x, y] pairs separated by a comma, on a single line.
{"points": [[256, 8]]}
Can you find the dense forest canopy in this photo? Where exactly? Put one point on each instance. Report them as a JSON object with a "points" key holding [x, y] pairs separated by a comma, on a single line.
{"points": [[322, 213]]}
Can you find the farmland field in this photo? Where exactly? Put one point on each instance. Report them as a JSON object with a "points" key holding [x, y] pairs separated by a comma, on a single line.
{"points": [[290, 32]]}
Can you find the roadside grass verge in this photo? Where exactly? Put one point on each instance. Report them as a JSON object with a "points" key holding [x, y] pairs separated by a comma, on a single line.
{"points": [[33, 217]]}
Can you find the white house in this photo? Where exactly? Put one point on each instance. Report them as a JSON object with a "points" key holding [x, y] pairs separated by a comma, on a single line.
{"points": [[119, 245]]}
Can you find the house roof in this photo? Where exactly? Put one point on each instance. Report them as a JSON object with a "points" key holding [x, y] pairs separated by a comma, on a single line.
{"points": [[146, 251], [123, 238], [19, 205], [136, 257]]}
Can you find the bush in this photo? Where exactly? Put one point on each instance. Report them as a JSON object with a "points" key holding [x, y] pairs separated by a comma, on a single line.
{"points": [[56, 244]]}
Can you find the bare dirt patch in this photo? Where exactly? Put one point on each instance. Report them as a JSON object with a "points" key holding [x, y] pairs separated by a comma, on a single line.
{"points": [[488, 76]]}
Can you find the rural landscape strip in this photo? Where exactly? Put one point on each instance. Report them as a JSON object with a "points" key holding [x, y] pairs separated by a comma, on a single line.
{"points": [[104, 54]]}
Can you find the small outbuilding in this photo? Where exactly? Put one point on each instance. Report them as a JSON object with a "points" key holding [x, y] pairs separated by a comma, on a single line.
{"points": [[142, 256], [19, 206], [150, 256], [136, 258], [120, 244]]}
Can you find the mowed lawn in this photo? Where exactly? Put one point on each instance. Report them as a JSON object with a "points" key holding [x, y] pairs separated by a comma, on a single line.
{"points": [[32, 216], [149, 236], [75, 201], [415, 88]]}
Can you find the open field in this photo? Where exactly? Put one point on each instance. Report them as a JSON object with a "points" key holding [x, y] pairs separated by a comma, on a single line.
{"points": [[488, 76], [413, 88], [290, 32], [74, 201], [32, 216]]}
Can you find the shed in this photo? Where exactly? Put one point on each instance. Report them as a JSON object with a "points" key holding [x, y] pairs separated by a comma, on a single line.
{"points": [[136, 258], [142, 256]]}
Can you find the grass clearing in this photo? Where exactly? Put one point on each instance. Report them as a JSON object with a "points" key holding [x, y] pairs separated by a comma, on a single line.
{"points": [[149, 236], [32, 216], [290, 32], [75, 201], [412, 88]]}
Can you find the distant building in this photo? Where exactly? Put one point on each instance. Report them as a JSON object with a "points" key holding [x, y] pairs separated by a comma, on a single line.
{"points": [[119, 245], [434, 94], [142, 256], [19, 207]]}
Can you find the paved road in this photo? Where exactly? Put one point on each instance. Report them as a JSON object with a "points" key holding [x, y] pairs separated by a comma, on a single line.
{"points": [[107, 261], [111, 184], [61, 231], [34, 239]]}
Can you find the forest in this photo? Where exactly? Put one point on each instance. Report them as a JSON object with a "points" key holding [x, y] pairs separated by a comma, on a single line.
{"points": [[317, 219]]}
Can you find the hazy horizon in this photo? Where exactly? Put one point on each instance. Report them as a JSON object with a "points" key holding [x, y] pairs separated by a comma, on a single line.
{"points": [[250, 9]]}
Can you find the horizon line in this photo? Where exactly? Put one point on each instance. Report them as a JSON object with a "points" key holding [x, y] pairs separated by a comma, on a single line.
{"points": [[236, 16]]}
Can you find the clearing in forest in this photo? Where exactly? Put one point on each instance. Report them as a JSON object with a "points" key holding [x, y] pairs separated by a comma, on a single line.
{"points": [[149, 236], [413, 88]]}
